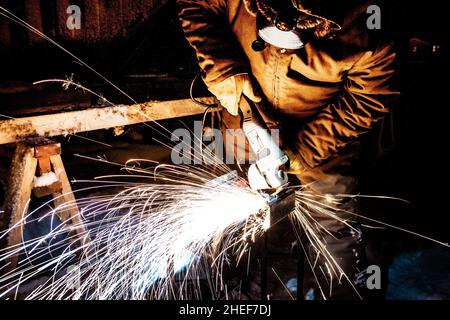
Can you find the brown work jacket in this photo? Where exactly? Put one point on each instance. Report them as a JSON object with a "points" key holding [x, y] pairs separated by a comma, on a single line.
{"points": [[331, 91]]}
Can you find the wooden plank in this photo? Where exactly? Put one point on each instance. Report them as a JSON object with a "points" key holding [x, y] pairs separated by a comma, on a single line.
{"points": [[44, 165], [33, 16], [47, 150], [97, 118], [44, 191], [67, 208], [18, 196], [5, 35]]}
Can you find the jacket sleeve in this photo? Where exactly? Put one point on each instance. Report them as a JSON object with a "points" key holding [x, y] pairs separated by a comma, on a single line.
{"points": [[206, 28], [365, 99]]}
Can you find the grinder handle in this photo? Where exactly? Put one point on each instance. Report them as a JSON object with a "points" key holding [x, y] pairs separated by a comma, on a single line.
{"points": [[269, 157]]}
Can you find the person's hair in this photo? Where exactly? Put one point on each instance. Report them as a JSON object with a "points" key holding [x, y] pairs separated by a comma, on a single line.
{"points": [[271, 10]]}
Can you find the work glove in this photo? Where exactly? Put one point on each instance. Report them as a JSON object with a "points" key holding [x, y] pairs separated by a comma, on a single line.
{"points": [[295, 166], [230, 90]]}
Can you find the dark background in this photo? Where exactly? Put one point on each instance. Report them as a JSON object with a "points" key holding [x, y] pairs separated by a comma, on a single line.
{"points": [[139, 45]]}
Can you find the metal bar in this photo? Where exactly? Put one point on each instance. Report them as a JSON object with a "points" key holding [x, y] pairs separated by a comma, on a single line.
{"points": [[97, 118]]}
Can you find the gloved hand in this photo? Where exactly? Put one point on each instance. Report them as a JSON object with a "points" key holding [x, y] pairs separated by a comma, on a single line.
{"points": [[295, 166], [229, 92]]}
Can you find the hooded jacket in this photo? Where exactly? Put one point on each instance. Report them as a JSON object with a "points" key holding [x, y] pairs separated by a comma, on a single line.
{"points": [[329, 93]]}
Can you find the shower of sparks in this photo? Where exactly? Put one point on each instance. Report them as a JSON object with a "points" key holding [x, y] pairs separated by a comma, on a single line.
{"points": [[303, 219], [164, 239], [167, 238], [149, 241]]}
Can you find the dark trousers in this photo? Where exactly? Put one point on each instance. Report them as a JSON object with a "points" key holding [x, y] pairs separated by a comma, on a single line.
{"points": [[338, 269]]}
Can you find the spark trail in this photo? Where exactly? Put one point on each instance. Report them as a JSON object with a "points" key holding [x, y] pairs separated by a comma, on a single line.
{"points": [[142, 237], [166, 238]]}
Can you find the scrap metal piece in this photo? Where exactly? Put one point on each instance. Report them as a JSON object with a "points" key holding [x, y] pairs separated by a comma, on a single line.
{"points": [[281, 205]]}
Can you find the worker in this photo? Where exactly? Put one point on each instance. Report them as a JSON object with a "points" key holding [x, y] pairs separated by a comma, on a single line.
{"points": [[326, 74]]}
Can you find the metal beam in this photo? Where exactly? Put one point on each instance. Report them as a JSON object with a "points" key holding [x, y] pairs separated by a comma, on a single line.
{"points": [[97, 118]]}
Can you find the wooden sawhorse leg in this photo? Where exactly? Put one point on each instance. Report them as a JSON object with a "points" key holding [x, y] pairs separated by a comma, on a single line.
{"points": [[31, 158]]}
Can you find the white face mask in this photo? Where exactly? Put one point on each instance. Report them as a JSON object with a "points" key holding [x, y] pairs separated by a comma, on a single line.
{"points": [[282, 39]]}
